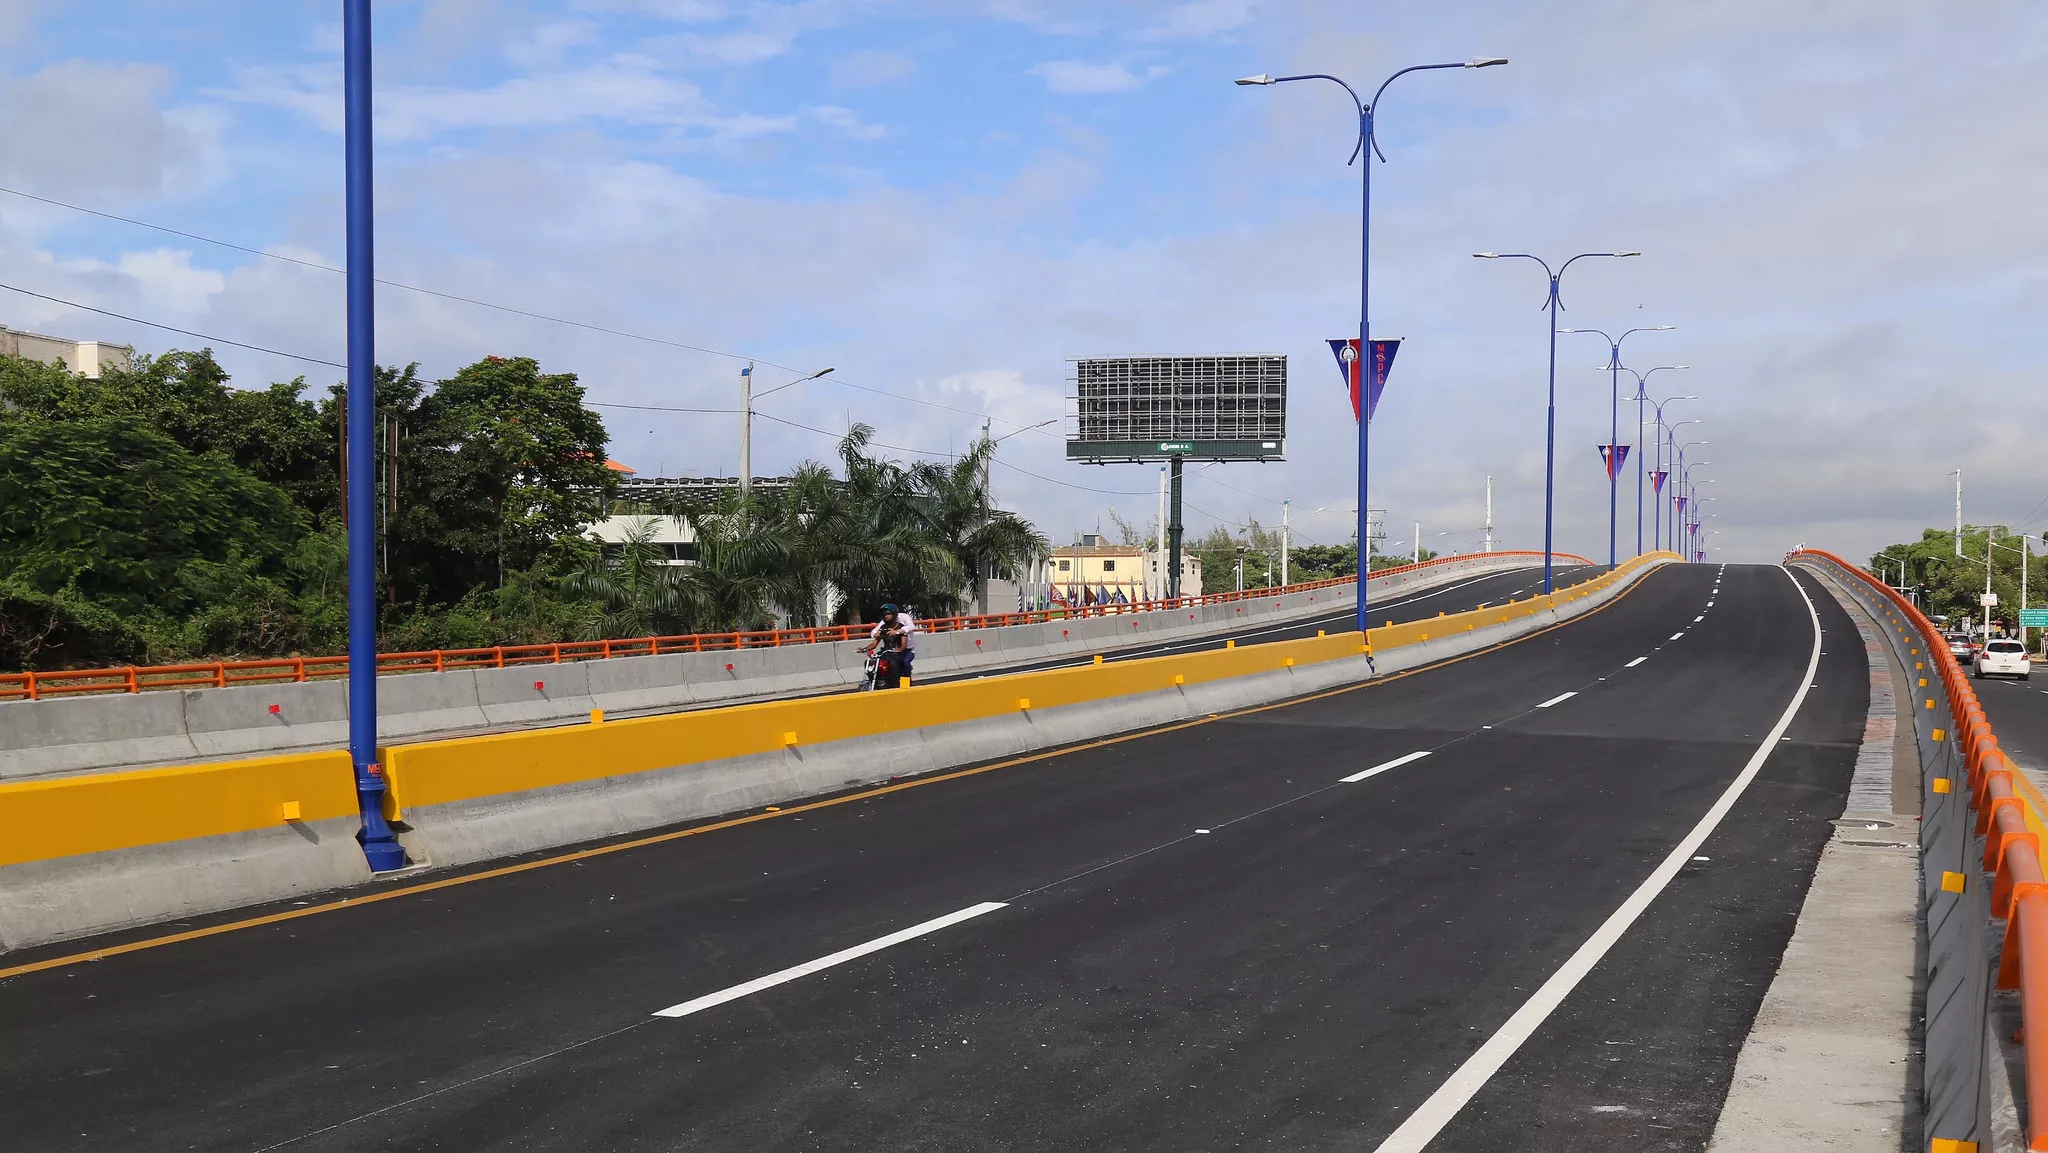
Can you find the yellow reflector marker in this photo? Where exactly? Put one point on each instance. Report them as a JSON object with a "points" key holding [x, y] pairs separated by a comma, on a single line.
{"points": [[1951, 882], [1179, 679], [1941, 784], [597, 716], [789, 738], [1951, 1145], [1939, 735], [289, 810], [1023, 702], [1923, 682]]}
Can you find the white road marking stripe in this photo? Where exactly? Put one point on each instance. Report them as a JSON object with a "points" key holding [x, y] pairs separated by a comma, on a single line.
{"points": [[1699, 618], [749, 988], [1376, 770], [1558, 699], [1674, 636], [1635, 662], [1426, 1122]]}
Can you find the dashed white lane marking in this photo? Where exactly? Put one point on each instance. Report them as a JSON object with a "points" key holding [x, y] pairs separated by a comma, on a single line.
{"points": [[1426, 1122], [1699, 618], [749, 988], [1376, 770], [1635, 662], [1558, 699], [1674, 636]]}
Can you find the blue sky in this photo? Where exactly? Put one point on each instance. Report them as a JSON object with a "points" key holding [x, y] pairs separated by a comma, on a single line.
{"points": [[1838, 206]]}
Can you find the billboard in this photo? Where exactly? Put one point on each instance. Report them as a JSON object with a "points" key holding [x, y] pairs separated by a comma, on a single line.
{"points": [[1139, 408]]}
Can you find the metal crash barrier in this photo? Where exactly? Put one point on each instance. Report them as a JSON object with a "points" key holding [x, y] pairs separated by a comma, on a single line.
{"points": [[1980, 869]]}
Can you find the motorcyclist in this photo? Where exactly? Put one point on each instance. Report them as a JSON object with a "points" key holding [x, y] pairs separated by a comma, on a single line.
{"points": [[891, 634]]}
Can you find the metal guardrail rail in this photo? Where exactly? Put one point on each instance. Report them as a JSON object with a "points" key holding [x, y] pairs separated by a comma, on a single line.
{"points": [[1980, 848], [289, 670]]}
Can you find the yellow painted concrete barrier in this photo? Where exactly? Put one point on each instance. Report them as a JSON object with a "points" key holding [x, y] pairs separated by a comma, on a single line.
{"points": [[67, 816]]}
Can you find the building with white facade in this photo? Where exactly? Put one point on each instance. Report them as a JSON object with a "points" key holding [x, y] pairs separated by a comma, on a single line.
{"points": [[85, 357]]}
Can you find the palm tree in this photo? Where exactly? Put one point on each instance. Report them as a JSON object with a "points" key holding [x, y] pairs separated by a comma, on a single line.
{"points": [[959, 511], [637, 594]]}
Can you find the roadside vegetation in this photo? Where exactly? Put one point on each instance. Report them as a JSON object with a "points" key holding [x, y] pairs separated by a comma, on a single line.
{"points": [[159, 514], [1950, 585]]}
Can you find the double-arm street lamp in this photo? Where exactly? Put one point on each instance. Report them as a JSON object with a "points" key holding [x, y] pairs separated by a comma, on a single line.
{"points": [[1550, 428], [1366, 141], [1613, 367], [1678, 481], [1664, 479], [1642, 397]]}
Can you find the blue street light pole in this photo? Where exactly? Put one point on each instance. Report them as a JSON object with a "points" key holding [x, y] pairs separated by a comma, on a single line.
{"points": [[1550, 426], [1657, 514], [1614, 369], [1643, 396], [1365, 142], [380, 846], [1676, 457]]}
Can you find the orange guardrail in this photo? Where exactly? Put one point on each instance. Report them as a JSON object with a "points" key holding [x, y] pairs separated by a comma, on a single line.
{"points": [[2008, 815], [222, 674]]}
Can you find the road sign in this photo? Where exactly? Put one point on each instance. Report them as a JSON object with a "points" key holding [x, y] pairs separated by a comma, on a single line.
{"points": [[2034, 618], [1988, 600]]}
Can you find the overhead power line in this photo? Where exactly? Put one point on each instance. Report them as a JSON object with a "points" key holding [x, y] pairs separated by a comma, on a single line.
{"points": [[173, 328], [469, 300]]}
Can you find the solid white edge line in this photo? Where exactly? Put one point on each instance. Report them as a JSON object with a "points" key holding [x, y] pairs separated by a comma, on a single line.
{"points": [[749, 988], [1425, 1123], [1558, 699], [1376, 770], [1635, 662]]}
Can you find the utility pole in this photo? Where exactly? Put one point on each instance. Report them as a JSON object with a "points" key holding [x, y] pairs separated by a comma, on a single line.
{"points": [[1958, 474], [1159, 583], [1418, 542], [1489, 514], [747, 428], [1240, 568], [1173, 530], [1283, 542]]}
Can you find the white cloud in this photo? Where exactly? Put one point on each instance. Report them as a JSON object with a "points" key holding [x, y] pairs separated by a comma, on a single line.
{"points": [[872, 67], [848, 122], [1086, 78], [91, 129], [1202, 18], [624, 90]]}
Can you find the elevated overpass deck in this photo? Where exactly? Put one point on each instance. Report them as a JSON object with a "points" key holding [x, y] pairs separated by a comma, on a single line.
{"points": [[1538, 890]]}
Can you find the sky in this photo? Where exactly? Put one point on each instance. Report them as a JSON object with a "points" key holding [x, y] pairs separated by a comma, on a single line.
{"points": [[1838, 203]]}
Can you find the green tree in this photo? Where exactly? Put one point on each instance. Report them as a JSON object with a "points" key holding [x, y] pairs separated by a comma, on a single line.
{"points": [[1951, 585]]}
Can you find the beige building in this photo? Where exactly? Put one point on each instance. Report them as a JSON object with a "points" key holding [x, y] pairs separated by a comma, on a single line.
{"points": [[1099, 567], [85, 357]]}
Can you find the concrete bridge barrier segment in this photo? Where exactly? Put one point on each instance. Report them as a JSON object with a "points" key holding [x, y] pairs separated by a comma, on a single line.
{"points": [[85, 733], [1981, 834], [114, 850], [106, 850]]}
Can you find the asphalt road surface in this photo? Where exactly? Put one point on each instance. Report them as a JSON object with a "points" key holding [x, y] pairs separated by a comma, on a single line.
{"points": [[1279, 929], [1459, 596]]}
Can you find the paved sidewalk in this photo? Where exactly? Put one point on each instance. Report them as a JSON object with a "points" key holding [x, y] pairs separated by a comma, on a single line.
{"points": [[1830, 1062]]}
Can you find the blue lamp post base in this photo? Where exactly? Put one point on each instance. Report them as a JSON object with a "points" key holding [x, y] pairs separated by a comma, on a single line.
{"points": [[380, 843]]}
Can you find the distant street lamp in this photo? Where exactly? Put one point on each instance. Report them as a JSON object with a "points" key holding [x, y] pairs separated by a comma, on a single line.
{"points": [[1550, 427], [747, 398], [1613, 367], [1366, 112], [1657, 520]]}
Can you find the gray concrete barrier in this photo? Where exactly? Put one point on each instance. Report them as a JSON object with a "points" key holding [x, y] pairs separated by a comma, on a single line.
{"points": [[82, 734]]}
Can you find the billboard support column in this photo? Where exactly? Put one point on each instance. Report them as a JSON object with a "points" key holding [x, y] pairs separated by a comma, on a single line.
{"points": [[1173, 529]]}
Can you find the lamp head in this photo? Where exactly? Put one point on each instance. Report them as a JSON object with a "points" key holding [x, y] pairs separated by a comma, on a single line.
{"points": [[1628, 254], [1485, 61], [1261, 78], [1486, 256]]}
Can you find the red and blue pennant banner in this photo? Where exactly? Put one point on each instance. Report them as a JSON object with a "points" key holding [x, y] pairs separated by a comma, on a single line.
{"points": [[1657, 482], [1681, 506], [1357, 370], [1613, 455]]}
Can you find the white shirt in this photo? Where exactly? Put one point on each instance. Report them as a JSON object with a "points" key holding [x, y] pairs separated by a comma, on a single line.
{"points": [[909, 631]]}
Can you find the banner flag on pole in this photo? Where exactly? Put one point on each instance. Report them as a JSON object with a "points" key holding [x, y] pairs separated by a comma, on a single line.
{"points": [[1681, 506], [1356, 372], [1657, 482], [1613, 455]]}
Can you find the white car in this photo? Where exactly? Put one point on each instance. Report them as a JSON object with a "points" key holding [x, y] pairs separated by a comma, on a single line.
{"points": [[2000, 659]]}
